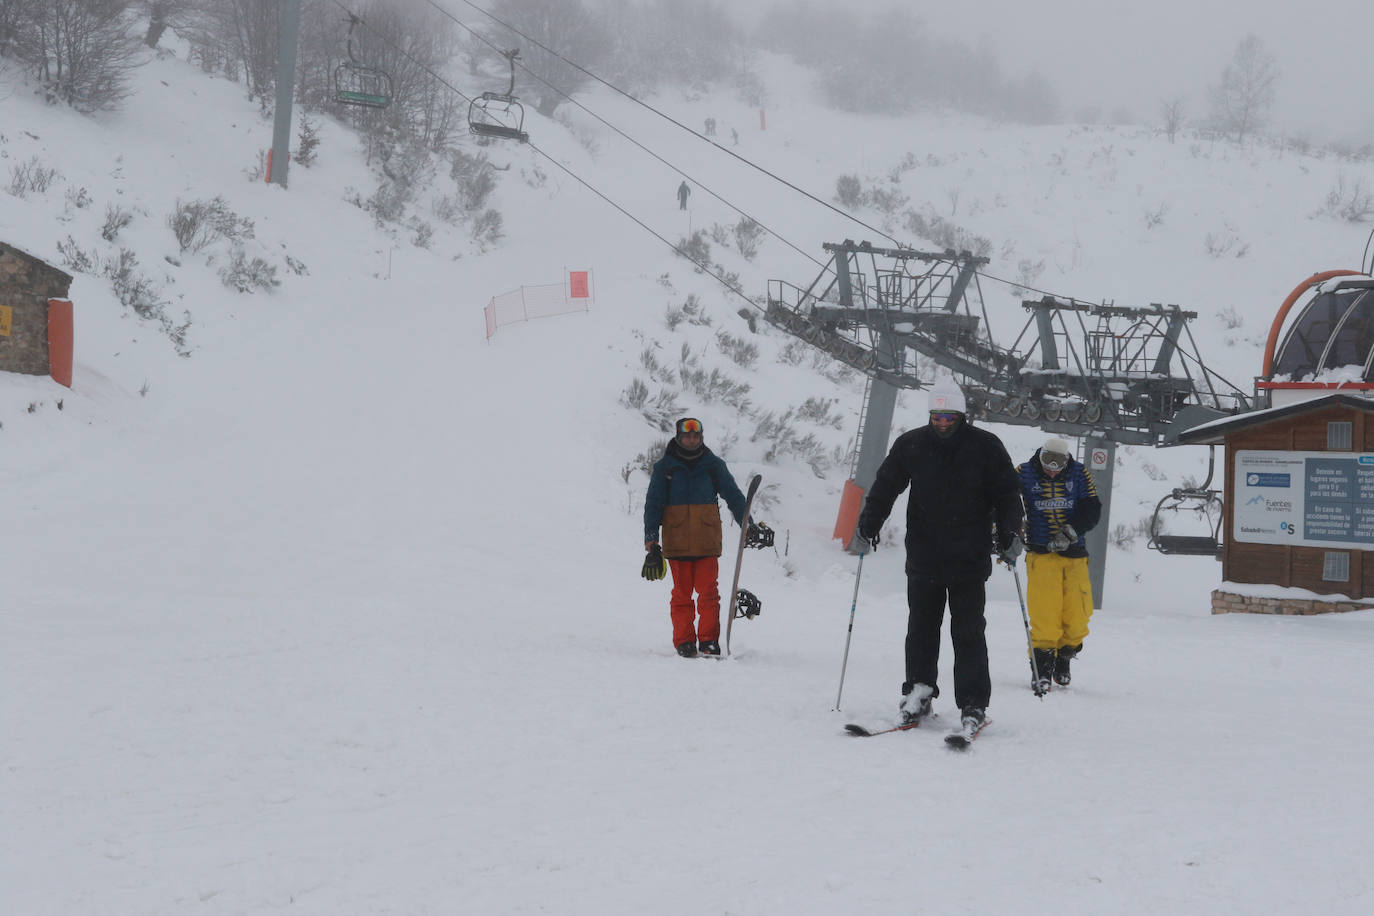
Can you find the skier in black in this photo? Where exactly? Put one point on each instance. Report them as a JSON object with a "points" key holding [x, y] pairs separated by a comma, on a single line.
{"points": [[962, 483], [682, 192]]}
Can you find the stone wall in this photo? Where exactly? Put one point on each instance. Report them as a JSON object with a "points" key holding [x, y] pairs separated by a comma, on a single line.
{"points": [[1231, 603], [26, 285]]}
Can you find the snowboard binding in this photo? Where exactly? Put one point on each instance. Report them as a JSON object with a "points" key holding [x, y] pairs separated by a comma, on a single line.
{"points": [[746, 604], [758, 535]]}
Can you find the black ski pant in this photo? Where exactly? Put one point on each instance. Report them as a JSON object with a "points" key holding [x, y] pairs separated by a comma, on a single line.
{"points": [[926, 598]]}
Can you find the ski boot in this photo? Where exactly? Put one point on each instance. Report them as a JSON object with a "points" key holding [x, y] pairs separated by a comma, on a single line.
{"points": [[916, 703], [1044, 670], [1061, 664]]}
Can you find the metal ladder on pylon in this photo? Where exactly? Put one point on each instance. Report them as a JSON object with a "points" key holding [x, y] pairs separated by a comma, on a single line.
{"points": [[859, 435]]}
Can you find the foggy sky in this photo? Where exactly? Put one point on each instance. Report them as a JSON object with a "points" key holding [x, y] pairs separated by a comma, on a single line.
{"points": [[1111, 55]]}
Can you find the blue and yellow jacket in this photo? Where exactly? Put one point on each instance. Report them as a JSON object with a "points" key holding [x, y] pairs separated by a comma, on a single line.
{"points": [[1052, 502], [682, 499]]}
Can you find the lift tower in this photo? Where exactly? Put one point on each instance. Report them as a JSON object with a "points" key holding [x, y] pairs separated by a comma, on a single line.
{"points": [[1106, 374]]}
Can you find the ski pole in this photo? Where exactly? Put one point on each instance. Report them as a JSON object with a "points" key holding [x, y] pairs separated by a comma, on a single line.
{"points": [[1030, 646], [853, 605]]}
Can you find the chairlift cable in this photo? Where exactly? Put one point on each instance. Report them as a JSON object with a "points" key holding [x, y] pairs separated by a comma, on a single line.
{"points": [[666, 117], [705, 268], [697, 181]]}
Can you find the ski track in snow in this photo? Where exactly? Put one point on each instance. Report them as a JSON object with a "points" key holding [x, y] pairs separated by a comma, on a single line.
{"points": [[343, 615]]}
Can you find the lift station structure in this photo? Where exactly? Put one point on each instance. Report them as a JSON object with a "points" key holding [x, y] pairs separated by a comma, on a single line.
{"points": [[1105, 374]]}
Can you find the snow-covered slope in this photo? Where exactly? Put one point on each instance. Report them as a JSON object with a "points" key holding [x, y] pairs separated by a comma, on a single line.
{"points": [[342, 614]]}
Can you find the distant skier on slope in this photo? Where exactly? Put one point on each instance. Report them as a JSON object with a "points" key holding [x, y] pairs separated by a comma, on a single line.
{"points": [[682, 192], [961, 480], [1061, 504], [682, 500]]}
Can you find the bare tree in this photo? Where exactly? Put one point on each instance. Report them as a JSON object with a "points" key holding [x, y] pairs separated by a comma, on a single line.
{"points": [[80, 50], [568, 29], [1171, 114], [1243, 99], [162, 15], [12, 15], [241, 33]]}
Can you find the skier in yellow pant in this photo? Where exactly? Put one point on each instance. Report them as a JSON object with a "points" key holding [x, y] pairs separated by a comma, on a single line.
{"points": [[1061, 504]]}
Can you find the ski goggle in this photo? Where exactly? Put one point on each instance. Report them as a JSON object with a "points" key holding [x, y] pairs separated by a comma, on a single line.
{"points": [[1053, 461], [943, 416], [689, 426]]}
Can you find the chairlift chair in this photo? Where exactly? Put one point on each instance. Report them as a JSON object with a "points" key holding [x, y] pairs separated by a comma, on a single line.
{"points": [[1205, 503], [499, 115], [359, 84]]}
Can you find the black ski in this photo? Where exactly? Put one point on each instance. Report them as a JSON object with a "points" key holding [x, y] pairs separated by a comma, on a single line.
{"points": [[734, 593], [961, 739], [859, 731]]}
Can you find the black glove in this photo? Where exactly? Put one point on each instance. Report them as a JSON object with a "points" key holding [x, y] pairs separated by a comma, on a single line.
{"points": [[1063, 539], [1011, 551], [654, 567], [869, 535]]}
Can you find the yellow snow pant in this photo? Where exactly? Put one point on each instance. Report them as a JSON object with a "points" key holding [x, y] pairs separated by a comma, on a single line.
{"points": [[1060, 598]]}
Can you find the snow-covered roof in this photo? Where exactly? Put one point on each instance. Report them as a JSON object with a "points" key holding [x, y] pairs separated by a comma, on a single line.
{"points": [[1214, 432]]}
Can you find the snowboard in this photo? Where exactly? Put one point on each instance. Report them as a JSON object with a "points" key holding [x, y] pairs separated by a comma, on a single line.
{"points": [[733, 594]]}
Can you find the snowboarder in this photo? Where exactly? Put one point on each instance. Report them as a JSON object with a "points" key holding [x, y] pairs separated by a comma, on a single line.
{"points": [[682, 192], [682, 500], [1061, 504], [962, 481]]}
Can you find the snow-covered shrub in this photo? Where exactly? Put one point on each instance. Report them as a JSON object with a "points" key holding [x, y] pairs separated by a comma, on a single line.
{"points": [[247, 275], [473, 176], [818, 411], [116, 218], [1225, 242], [78, 198], [199, 223], [1349, 200], [748, 234], [696, 249], [849, 191], [31, 177], [1230, 318], [132, 289], [74, 258], [742, 352], [488, 229]]}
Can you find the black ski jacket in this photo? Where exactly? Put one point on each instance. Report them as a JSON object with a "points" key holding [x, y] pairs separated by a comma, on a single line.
{"points": [[960, 488]]}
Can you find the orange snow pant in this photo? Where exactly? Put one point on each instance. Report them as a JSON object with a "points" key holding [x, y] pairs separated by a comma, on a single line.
{"points": [[695, 576], [1060, 598]]}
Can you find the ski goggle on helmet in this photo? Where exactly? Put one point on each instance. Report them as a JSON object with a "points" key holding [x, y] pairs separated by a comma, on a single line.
{"points": [[689, 425], [1054, 456]]}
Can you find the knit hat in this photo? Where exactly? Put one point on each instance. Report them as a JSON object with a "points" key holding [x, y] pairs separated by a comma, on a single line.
{"points": [[946, 396], [689, 425]]}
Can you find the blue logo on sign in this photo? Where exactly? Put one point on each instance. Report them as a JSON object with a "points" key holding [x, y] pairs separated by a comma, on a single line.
{"points": [[1367, 459], [1268, 480]]}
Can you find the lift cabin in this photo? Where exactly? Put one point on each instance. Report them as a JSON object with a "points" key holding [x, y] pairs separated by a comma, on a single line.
{"points": [[358, 84], [499, 115], [1327, 349]]}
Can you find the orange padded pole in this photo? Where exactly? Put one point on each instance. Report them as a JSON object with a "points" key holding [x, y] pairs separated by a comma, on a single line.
{"points": [[61, 338]]}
